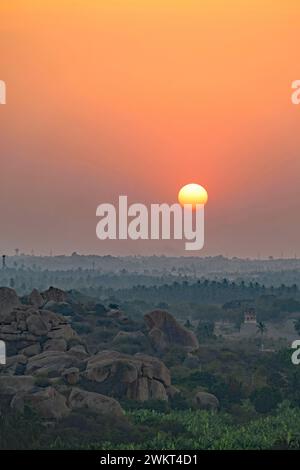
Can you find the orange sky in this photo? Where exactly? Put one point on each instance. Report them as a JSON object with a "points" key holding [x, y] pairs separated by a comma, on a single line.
{"points": [[141, 97]]}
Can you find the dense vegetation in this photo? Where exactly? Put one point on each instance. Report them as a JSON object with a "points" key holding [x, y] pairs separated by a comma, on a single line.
{"points": [[157, 430], [25, 272]]}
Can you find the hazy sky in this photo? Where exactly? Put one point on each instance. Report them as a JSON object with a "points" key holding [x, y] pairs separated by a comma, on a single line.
{"points": [[141, 97]]}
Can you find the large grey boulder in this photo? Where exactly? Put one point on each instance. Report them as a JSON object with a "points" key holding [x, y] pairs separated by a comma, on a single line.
{"points": [[165, 332], [206, 401], [36, 299], [59, 344], [63, 331], [8, 301], [36, 325], [79, 351], [95, 402], [50, 363], [32, 350], [47, 402], [138, 377]]}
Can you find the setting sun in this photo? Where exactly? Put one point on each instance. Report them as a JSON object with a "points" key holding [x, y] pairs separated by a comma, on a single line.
{"points": [[192, 194]]}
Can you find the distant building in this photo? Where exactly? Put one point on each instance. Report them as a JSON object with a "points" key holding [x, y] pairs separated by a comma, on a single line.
{"points": [[250, 316], [2, 353]]}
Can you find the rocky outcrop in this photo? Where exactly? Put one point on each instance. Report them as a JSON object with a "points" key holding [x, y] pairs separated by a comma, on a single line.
{"points": [[44, 363], [29, 330], [8, 301], [50, 363], [166, 332], [59, 344], [55, 295], [36, 299], [47, 402], [48, 380], [49, 369], [38, 341], [138, 377], [53, 299], [206, 401], [36, 325], [95, 402], [79, 351], [63, 331], [31, 350]]}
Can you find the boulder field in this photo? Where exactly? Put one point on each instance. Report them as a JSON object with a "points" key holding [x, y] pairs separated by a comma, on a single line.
{"points": [[49, 367]]}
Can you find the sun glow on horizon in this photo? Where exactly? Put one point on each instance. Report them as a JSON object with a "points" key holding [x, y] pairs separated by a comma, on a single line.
{"points": [[192, 194]]}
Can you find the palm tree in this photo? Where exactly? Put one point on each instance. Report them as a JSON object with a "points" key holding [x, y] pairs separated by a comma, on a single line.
{"points": [[261, 329]]}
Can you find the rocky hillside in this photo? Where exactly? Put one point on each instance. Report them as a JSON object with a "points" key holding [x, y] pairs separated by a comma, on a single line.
{"points": [[49, 366]]}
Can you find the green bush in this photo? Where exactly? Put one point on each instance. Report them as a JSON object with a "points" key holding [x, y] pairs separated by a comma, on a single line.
{"points": [[266, 399]]}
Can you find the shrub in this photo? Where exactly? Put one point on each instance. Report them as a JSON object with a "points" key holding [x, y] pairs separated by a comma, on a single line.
{"points": [[265, 399]]}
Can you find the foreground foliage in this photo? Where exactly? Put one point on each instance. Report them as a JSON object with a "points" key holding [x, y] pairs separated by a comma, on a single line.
{"points": [[153, 430], [148, 429], [205, 430]]}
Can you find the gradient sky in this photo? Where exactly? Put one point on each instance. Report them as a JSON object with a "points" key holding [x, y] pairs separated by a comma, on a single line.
{"points": [[141, 97]]}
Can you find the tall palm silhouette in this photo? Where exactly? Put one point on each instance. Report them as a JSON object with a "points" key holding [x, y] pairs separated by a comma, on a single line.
{"points": [[261, 329]]}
